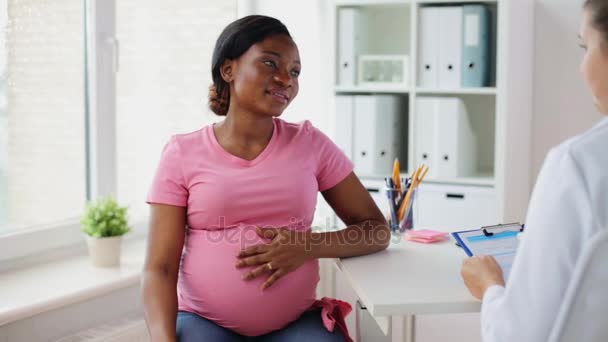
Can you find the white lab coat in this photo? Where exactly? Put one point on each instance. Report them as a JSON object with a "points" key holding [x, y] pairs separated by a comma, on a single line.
{"points": [[569, 205]]}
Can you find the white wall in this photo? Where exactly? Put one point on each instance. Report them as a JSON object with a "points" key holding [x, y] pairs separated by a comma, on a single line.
{"points": [[562, 105], [164, 77], [305, 23], [76, 317]]}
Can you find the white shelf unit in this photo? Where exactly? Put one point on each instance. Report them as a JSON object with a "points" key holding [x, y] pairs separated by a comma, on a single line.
{"points": [[460, 91], [441, 2], [498, 191], [370, 90], [500, 114]]}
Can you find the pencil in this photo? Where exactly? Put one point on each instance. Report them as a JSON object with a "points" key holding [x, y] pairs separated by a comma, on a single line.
{"points": [[397, 175], [408, 195], [416, 180]]}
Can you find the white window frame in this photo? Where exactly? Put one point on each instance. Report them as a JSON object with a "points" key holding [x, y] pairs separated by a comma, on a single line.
{"points": [[100, 98], [102, 63]]}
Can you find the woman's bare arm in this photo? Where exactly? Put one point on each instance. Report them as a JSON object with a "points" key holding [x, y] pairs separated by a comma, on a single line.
{"points": [[164, 250], [367, 230]]}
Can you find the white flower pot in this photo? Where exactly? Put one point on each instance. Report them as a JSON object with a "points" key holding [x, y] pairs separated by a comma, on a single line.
{"points": [[104, 252]]}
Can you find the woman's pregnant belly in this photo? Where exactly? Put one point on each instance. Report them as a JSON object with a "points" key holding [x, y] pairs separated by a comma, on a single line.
{"points": [[210, 284]]}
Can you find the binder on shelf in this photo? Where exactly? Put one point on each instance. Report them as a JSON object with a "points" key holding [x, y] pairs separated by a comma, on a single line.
{"points": [[428, 56], [476, 31], [456, 144], [377, 133], [426, 115], [350, 40], [445, 140], [344, 118], [450, 46]]}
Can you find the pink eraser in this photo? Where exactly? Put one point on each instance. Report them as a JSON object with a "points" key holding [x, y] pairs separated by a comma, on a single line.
{"points": [[426, 234], [421, 240]]}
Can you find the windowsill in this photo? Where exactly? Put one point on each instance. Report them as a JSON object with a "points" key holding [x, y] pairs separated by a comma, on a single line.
{"points": [[30, 286], [52, 285]]}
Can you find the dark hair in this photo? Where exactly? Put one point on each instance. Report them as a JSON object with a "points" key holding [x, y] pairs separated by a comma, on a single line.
{"points": [[237, 38], [598, 9]]}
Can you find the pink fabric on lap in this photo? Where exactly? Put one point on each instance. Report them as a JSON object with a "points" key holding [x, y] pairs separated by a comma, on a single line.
{"points": [[333, 314], [226, 198]]}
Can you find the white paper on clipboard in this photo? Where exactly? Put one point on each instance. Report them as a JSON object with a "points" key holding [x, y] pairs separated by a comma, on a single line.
{"points": [[499, 241]]}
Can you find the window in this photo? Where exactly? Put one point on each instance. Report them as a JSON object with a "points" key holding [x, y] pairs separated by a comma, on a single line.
{"points": [[42, 154], [161, 89], [3, 116]]}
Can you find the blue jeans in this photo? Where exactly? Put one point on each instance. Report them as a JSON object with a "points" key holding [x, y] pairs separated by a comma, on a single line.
{"points": [[309, 327]]}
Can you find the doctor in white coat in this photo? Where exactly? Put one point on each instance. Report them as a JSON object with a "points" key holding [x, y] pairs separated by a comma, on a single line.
{"points": [[569, 205]]}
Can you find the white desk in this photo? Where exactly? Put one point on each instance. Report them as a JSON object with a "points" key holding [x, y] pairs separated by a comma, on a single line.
{"points": [[409, 279]]}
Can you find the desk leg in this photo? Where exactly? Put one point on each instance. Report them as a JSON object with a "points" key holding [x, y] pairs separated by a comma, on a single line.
{"points": [[403, 328], [410, 328]]}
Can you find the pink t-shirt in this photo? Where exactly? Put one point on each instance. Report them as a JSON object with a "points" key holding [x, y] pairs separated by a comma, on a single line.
{"points": [[227, 197]]}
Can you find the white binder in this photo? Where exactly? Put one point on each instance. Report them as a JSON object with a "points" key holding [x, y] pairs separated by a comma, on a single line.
{"points": [[456, 143], [444, 138], [428, 56], [450, 46], [425, 123], [350, 40], [344, 118], [377, 121]]}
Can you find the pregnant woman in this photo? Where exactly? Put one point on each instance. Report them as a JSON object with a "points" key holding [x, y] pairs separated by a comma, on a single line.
{"points": [[231, 255]]}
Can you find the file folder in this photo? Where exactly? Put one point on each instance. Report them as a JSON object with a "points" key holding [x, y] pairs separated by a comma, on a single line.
{"points": [[377, 133], [445, 140], [428, 56], [344, 118], [365, 134], [350, 39], [456, 154], [450, 46], [426, 115], [476, 48]]}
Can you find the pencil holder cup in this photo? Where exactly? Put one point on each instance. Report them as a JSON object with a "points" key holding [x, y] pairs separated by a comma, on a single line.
{"points": [[392, 194], [408, 220]]}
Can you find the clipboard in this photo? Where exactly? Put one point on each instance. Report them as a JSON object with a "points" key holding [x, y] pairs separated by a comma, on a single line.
{"points": [[500, 241]]}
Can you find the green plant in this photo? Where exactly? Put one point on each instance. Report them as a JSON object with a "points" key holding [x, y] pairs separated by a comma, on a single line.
{"points": [[105, 218]]}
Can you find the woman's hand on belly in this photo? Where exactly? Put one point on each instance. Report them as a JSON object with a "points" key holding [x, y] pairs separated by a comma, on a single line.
{"points": [[287, 251]]}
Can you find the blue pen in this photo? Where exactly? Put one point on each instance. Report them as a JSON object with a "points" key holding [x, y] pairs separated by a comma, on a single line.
{"points": [[390, 193]]}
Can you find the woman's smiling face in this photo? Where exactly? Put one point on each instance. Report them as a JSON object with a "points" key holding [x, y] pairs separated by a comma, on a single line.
{"points": [[264, 79]]}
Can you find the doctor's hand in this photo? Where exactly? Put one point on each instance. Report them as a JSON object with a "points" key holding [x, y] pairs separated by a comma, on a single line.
{"points": [[481, 272], [286, 252]]}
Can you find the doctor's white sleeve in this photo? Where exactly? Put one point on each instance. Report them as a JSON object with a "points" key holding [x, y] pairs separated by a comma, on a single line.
{"points": [[559, 211]]}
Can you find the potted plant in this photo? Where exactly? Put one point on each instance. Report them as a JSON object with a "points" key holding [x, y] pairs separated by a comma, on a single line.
{"points": [[104, 222]]}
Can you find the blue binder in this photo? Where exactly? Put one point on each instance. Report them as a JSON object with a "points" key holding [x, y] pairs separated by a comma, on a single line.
{"points": [[476, 30]]}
